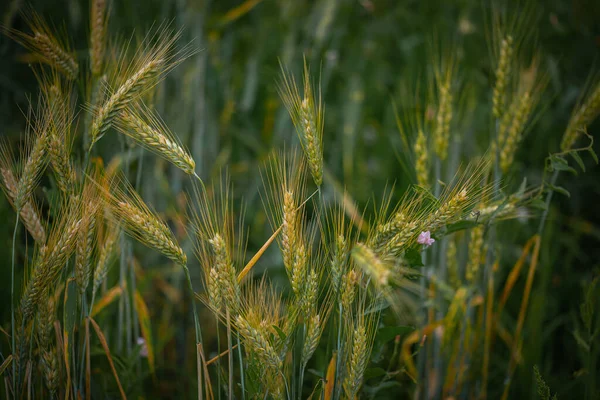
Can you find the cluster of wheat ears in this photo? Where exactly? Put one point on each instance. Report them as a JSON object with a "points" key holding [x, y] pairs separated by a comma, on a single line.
{"points": [[344, 272]]}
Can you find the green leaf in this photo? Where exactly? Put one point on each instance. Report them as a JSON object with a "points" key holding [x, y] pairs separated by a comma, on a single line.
{"points": [[593, 154], [559, 189], [281, 334], [578, 159], [582, 343], [388, 333], [460, 226], [374, 373], [413, 257], [558, 163], [538, 204]]}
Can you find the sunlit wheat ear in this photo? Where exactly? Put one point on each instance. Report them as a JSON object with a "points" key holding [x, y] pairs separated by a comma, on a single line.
{"points": [[583, 114], [360, 341], [394, 232], [29, 213], [34, 156], [98, 25], [283, 198], [87, 234], [51, 258], [502, 74], [460, 197], [348, 290], [107, 249], [218, 245], [257, 342], [127, 81], [337, 232], [506, 31], [146, 128], [45, 333], [140, 222], [46, 46], [476, 251], [60, 131], [444, 73], [421, 151], [530, 89], [263, 308], [307, 115]]}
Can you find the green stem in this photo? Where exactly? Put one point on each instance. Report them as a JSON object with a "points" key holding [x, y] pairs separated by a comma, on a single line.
{"points": [[547, 203], [12, 303], [239, 347], [196, 327]]}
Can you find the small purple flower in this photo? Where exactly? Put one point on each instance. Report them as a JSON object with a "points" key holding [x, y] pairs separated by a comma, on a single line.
{"points": [[425, 238]]}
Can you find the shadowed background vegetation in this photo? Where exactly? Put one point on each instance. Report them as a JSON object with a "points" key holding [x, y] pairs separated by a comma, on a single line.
{"points": [[370, 58]]}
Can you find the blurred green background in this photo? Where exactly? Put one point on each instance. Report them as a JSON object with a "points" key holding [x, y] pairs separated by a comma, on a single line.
{"points": [[222, 102]]}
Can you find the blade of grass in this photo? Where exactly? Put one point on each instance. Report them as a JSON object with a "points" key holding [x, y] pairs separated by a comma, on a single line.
{"points": [[108, 356], [144, 319], [5, 364], [107, 299]]}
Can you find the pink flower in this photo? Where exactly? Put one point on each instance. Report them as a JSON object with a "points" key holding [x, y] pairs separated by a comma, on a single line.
{"points": [[425, 238]]}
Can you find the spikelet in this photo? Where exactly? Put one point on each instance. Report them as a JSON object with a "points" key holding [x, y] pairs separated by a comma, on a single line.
{"points": [[136, 218], [315, 329], [583, 115], [215, 300], [307, 115], [33, 165], [51, 258], [338, 260], [503, 71], [284, 187], [29, 213], [46, 46], [310, 295], [444, 76], [361, 343], [86, 237], [60, 137], [216, 247], [45, 319], [349, 282], [475, 253], [226, 276], [151, 62], [372, 265], [392, 235], [289, 231], [106, 252], [422, 159], [459, 198], [45, 328], [263, 308], [142, 125], [530, 89], [98, 24], [258, 344], [299, 269]]}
